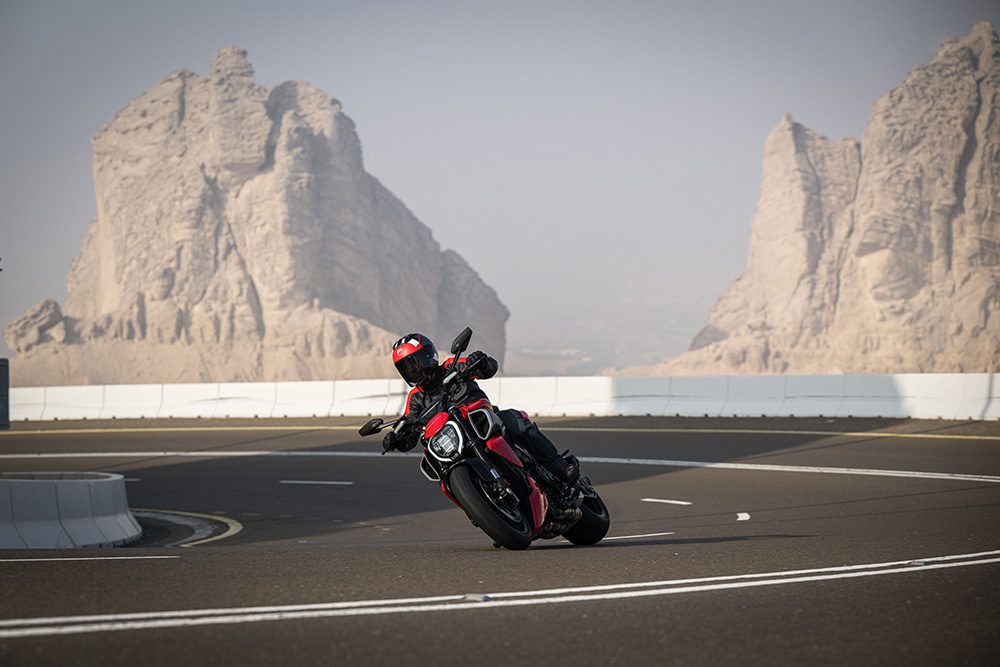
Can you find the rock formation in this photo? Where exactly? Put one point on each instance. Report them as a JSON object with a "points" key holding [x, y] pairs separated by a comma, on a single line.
{"points": [[876, 256], [238, 237]]}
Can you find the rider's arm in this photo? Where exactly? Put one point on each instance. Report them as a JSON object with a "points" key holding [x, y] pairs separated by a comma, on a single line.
{"points": [[486, 366]]}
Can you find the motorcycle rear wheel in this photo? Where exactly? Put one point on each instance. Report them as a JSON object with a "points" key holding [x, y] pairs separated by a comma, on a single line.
{"points": [[469, 490], [594, 525]]}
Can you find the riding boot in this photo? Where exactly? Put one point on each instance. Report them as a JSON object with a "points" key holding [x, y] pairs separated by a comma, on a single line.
{"points": [[553, 462], [526, 433]]}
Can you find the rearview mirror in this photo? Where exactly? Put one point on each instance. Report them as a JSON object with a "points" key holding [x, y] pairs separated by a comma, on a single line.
{"points": [[461, 341], [372, 426]]}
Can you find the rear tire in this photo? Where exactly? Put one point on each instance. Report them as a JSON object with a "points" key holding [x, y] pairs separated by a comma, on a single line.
{"points": [[468, 489], [594, 524]]}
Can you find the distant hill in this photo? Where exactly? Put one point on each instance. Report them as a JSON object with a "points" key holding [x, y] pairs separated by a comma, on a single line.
{"points": [[875, 256], [239, 237]]}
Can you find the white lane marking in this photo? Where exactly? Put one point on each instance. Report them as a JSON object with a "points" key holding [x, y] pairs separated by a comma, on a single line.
{"points": [[633, 537], [317, 481], [21, 627], [764, 467], [665, 501], [42, 560], [742, 516], [669, 463], [761, 431], [553, 427], [133, 479], [195, 613], [202, 533]]}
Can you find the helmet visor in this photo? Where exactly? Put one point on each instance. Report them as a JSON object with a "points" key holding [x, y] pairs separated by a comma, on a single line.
{"points": [[417, 367]]}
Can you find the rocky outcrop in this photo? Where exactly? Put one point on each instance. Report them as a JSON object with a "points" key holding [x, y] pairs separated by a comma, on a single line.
{"points": [[876, 256], [239, 237]]}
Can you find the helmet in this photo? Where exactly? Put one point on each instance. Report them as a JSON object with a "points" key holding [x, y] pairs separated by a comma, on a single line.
{"points": [[415, 357]]}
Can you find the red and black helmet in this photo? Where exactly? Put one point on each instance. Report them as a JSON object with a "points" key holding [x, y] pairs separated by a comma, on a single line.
{"points": [[415, 358]]}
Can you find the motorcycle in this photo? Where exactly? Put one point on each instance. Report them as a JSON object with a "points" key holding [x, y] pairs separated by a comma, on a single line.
{"points": [[500, 486]]}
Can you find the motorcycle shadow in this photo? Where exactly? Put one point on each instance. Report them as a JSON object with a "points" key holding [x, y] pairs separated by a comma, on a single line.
{"points": [[663, 541]]}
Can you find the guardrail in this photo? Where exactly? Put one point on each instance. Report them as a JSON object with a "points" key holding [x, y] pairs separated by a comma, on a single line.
{"points": [[924, 396]]}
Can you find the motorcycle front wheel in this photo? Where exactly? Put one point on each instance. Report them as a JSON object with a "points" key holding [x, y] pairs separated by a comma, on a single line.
{"points": [[594, 524], [506, 526]]}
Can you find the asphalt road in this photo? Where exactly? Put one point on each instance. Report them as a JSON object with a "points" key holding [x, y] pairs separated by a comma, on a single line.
{"points": [[828, 541]]}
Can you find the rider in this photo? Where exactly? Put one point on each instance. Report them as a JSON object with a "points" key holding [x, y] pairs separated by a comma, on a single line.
{"points": [[416, 359]]}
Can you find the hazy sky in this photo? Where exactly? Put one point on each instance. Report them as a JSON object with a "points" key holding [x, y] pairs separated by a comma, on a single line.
{"points": [[611, 147]]}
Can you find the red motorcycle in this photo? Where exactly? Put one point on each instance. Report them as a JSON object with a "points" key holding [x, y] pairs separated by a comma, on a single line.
{"points": [[498, 484]]}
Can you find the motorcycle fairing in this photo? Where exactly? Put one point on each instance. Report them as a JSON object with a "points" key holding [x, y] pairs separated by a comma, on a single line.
{"points": [[539, 505], [500, 447], [435, 424], [481, 403]]}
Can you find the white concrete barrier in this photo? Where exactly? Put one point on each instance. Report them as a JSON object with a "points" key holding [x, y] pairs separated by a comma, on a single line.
{"points": [[582, 396], [872, 396], [396, 402], [73, 402], [924, 396], [939, 394], [303, 399], [640, 396], [812, 395], [536, 396], [980, 397], [360, 398], [27, 403], [132, 401], [188, 400], [754, 396], [59, 510], [697, 396], [245, 399]]}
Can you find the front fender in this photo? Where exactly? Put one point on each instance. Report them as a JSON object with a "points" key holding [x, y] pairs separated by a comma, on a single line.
{"points": [[480, 467]]}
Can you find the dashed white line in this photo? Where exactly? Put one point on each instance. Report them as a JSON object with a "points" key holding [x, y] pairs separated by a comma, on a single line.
{"points": [[314, 481], [742, 516], [665, 501], [35, 627]]}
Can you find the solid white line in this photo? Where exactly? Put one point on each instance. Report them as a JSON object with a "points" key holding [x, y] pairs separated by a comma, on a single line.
{"points": [[669, 463], [664, 501], [195, 613], [41, 560], [763, 467], [742, 516], [306, 481], [552, 427], [633, 537], [483, 602]]}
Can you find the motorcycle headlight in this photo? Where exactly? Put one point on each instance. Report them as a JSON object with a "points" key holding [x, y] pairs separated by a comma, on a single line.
{"points": [[446, 443]]}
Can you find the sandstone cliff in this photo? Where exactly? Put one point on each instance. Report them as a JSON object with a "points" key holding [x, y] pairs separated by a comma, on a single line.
{"points": [[876, 256], [239, 237]]}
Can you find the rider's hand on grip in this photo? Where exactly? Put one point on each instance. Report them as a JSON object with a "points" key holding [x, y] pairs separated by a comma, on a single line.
{"points": [[388, 442], [475, 359]]}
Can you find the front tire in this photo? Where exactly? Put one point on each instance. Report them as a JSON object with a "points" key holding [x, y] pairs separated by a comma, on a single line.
{"points": [[473, 496], [594, 525]]}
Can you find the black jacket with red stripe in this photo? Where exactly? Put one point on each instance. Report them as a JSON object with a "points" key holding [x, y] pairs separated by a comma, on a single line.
{"points": [[422, 396]]}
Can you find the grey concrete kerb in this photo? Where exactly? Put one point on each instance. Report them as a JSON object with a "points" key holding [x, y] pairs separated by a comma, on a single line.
{"points": [[63, 510]]}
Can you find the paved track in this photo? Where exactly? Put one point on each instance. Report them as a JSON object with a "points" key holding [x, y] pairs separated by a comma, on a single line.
{"points": [[386, 571]]}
